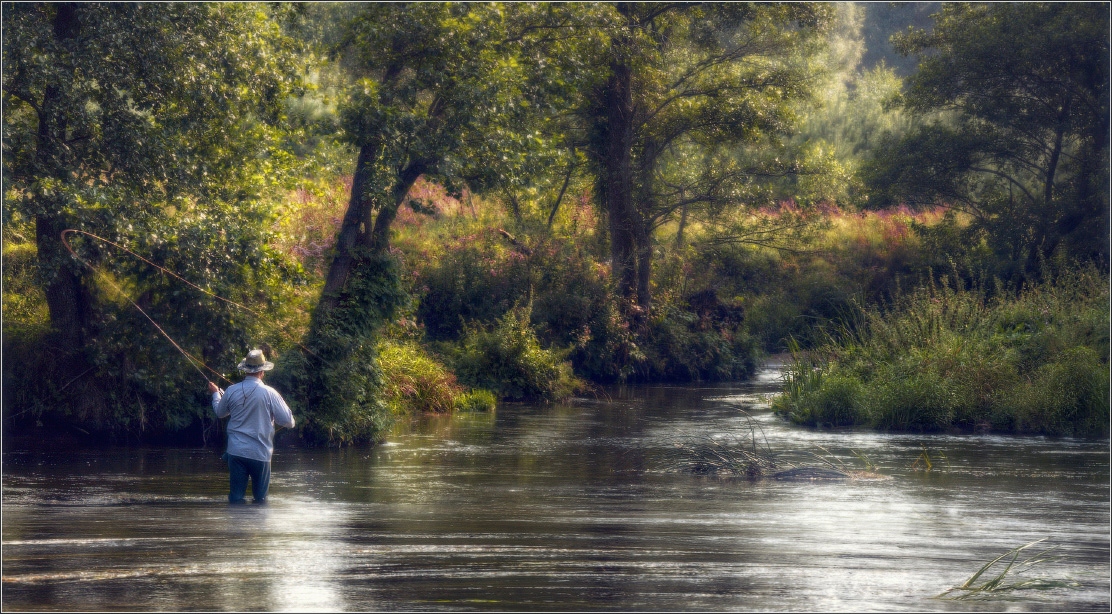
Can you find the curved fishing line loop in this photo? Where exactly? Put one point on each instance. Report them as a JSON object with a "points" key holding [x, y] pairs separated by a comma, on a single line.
{"points": [[194, 361]]}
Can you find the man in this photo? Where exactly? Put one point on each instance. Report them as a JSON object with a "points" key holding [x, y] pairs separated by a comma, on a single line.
{"points": [[254, 408]]}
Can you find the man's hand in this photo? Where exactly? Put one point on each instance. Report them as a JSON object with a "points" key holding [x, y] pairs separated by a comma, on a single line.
{"points": [[213, 388]]}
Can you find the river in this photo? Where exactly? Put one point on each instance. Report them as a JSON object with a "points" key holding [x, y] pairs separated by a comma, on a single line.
{"points": [[575, 506]]}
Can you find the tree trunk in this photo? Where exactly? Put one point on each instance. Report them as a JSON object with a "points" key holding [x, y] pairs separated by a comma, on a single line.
{"points": [[560, 196], [379, 240], [619, 177], [1054, 227], [1052, 164], [1087, 213], [357, 221], [683, 223], [366, 224], [66, 297]]}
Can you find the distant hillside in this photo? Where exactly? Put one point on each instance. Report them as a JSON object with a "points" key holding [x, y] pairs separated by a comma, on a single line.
{"points": [[882, 20]]}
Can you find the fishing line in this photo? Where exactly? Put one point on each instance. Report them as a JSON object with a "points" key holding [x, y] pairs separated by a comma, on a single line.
{"points": [[193, 360]]}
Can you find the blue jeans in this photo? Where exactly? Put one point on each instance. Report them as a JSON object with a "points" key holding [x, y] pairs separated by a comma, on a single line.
{"points": [[239, 469]]}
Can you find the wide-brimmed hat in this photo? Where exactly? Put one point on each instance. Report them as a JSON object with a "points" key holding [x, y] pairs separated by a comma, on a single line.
{"points": [[256, 361]]}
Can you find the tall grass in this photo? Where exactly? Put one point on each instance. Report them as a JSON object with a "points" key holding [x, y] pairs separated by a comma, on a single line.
{"points": [[944, 356], [414, 382]]}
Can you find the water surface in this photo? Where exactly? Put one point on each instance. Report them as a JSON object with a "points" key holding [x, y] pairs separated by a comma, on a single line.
{"points": [[573, 506]]}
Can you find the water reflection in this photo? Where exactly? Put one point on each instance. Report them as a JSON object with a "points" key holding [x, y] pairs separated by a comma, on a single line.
{"points": [[556, 507]]}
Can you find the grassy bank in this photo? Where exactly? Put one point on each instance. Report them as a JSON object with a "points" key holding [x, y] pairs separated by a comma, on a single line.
{"points": [[940, 358]]}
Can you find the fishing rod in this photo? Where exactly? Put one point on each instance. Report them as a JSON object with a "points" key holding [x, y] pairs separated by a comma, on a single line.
{"points": [[193, 360]]}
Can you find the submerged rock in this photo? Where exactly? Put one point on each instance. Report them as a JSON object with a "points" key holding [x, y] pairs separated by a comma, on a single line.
{"points": [[809, 473]]}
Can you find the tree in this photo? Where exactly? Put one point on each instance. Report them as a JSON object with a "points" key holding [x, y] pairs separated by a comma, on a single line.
{"points": [[1020, 140], [438, 89], [150, 125], [686, 88]]}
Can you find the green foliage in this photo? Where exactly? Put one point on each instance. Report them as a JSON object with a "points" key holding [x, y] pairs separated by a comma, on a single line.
{"points": [[24, 303], [852, 112], [444, 84], [479, 277], [509, 360], [705, 341], [158, 127], [815, 400], [795, 272], [434, 89], [1064, 396], [1035, 362], [1019, 140], [915, 401], [686, 112], [476, 274]]}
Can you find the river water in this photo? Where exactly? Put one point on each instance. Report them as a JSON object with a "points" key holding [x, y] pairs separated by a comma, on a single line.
{"points": [[577, 506]]}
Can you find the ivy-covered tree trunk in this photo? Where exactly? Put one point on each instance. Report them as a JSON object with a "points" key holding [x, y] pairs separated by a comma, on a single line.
{"points": [[357, 219], [339, 380]]}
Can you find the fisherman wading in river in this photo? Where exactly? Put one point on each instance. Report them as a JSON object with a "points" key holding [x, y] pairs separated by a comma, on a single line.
{"points": [[254, 408]]}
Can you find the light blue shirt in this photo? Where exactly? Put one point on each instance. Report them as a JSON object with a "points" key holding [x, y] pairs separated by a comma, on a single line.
{"points": [[254, 408]]}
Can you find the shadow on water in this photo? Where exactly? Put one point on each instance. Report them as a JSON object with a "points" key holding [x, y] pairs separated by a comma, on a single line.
{"points": [[560, 507]]}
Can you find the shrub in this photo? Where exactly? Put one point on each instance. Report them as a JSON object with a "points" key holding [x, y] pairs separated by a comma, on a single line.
{"points": [[706, 343], [476, 279], [836, 403], [915, 401], [1066, 397], [509, 360], [488, 272]]}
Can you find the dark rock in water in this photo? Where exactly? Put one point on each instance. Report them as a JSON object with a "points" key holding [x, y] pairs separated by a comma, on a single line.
{"points": [[809, 473]]}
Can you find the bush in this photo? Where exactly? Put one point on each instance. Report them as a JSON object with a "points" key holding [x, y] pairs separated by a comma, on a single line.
{"points": [[413, 382], [836, 403], [487, 273], [509, 360], [916, 401], [336, 383], [705, 343], [814, 397]]}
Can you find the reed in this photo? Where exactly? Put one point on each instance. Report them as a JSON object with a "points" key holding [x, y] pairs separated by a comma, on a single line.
{"points": [[750, 456], [997, 577], [747, 456]]}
